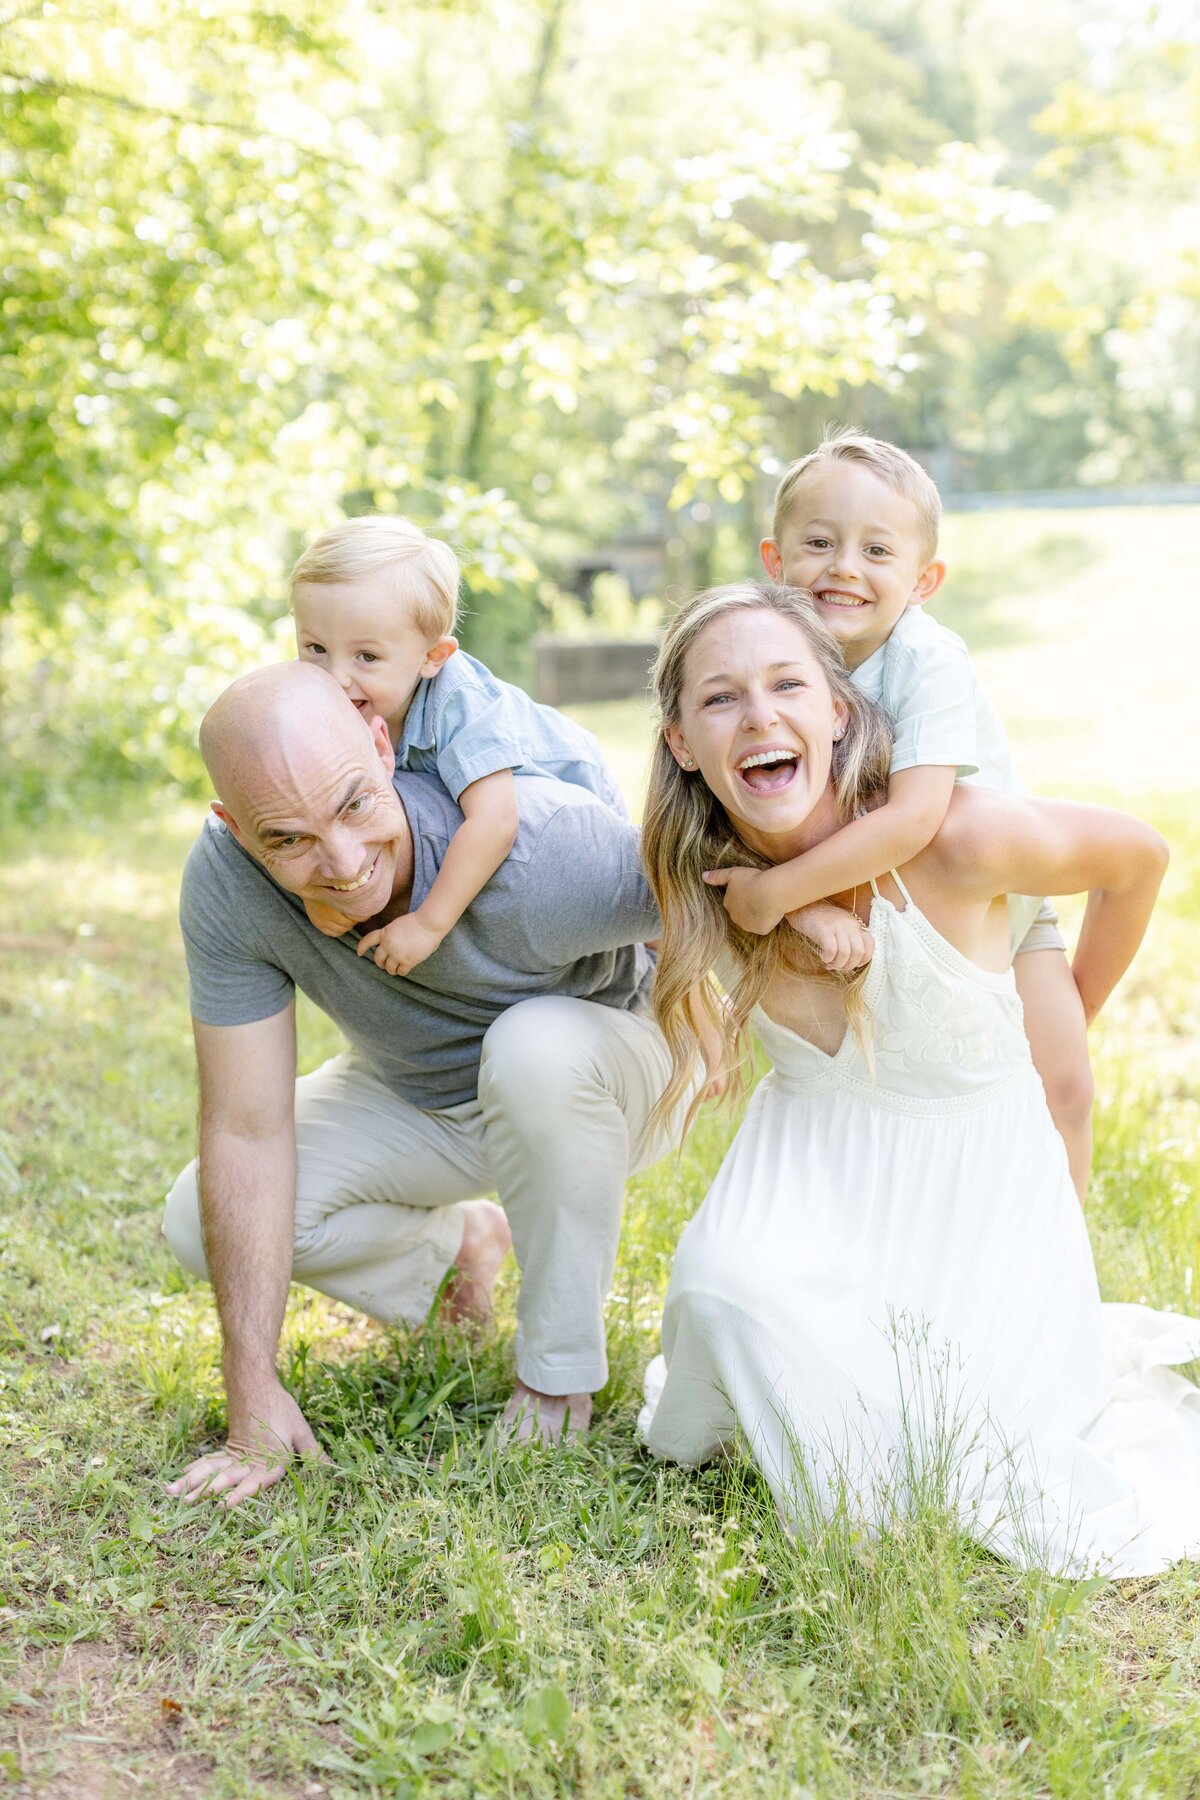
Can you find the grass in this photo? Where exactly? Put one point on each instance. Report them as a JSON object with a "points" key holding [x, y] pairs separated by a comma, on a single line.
{"points": [[423, 1618]]}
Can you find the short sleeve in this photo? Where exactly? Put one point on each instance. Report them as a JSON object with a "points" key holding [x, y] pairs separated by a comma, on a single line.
{"points": [[594, 894], [476, 732], [231, 978], [930, 698]]}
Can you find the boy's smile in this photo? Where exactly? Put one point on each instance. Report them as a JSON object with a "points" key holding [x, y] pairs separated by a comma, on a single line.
{"points": [[854, 543]]}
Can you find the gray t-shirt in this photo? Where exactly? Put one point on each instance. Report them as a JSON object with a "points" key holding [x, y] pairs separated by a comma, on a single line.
{"points": [[567, 912]]}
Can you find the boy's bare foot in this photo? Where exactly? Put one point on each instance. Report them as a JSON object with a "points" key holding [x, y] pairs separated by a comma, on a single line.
{"points": [[485, 1243], [543, 1418]]}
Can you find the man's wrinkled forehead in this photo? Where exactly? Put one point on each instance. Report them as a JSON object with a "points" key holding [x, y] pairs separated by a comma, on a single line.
{"points": [[311, 815], [286, 745], [307, 774], [274, 720]]}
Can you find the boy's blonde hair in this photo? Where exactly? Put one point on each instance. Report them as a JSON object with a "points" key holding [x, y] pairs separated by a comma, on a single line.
{"points": [[900, 471], [424, 570]]}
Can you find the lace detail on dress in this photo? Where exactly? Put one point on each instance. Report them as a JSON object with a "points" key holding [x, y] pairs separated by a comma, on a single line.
{"points": [[945, 1034], [933, 1019]]}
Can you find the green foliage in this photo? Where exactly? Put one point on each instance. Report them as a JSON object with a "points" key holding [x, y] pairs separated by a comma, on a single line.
{"points": [[262, 271]]}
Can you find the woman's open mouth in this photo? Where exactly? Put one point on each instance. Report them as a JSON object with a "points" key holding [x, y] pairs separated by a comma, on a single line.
{"points": [[768, 771]]}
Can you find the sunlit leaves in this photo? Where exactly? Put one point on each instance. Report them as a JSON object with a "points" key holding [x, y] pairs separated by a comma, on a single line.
{"points": [[261, 269]]}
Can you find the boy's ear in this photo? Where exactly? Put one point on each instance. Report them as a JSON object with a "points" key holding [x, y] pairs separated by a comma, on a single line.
{"points": [[226, 817], [928, 582], [437, 656], [772, 560], [381, 737]]}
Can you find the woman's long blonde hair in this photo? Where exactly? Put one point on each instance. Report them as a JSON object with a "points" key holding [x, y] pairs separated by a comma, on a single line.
{"points": [[687, 831]]}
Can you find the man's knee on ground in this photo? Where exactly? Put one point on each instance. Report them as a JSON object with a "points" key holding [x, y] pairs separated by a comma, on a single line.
{"points": [[181, 1223]]}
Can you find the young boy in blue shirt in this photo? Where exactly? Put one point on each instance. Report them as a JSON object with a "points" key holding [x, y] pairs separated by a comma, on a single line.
{"points": [[375, 601]]}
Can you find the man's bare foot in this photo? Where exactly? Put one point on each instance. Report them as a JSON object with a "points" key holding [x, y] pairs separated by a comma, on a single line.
{"points": [[485, 1243], [542, 1418]]}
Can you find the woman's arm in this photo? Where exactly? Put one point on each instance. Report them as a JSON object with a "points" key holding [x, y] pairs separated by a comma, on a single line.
{"points": [[997, 844]]}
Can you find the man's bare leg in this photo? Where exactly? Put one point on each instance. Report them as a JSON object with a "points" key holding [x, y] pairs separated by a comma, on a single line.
{"points": [[486, 1241], [542, 1418], [485, 1244]]}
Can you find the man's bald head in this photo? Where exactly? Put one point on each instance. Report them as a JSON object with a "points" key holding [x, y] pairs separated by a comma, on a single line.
{"points": [[305, 785], [270, 718]]}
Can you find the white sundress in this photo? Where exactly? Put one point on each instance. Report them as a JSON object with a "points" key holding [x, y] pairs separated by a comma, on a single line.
{"points": [[889, 1288]]}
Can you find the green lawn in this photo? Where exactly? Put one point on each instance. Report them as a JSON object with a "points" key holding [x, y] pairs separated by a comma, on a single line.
{"points": [[425, 1619]]}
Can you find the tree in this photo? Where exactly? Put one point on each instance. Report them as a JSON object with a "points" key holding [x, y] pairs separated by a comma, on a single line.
{"points": [[261, 270]]}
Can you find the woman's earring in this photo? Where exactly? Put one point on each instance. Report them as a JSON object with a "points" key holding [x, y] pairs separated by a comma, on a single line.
{"points": [[688, 763]]}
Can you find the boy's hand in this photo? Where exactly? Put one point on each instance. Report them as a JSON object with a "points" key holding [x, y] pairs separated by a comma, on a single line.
{"points": [[401, 945], [748, 898], [842, 940], [327, 919]]}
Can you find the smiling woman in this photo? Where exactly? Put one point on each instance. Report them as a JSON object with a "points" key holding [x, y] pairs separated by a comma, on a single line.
{"points": [[889, 1292], [767, 729]]}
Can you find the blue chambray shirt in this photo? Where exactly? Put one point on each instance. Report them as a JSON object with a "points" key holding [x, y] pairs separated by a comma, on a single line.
{"points": [[465, 723]]}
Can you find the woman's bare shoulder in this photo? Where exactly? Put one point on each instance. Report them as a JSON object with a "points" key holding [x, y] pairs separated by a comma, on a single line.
{"points": [[974, 839]]}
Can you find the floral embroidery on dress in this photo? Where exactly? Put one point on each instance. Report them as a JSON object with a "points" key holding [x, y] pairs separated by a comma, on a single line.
{"points": [[940, 1035], [930, 1021]]}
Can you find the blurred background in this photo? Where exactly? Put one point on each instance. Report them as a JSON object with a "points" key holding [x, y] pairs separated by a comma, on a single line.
{"points": [[570, 282]]}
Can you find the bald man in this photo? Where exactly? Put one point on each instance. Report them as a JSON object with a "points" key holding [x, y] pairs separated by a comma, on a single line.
{"points": [[519, 1057]]}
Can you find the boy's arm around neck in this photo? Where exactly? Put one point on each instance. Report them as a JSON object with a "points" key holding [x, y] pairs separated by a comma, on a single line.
{"points": [[481, 843], [917, 803]]}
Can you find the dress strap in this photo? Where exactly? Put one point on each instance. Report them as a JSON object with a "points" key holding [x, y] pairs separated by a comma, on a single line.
{"points": [[908, 899], [874, 887]]}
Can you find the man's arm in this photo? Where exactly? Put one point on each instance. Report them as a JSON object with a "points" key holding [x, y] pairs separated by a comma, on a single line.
{"points": [[247, 1201]]}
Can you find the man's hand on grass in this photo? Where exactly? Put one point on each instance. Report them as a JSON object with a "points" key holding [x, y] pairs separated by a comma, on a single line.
{"points": [[260, 1445]]}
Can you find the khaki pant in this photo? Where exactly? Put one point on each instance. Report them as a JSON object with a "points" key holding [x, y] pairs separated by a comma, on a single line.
{"points": [[565, 1090]]}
